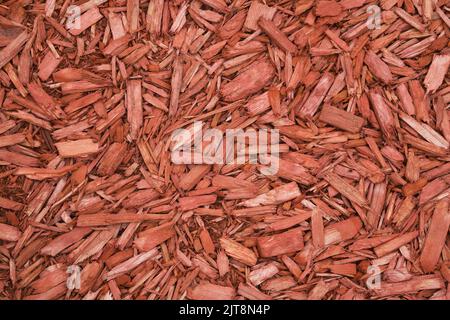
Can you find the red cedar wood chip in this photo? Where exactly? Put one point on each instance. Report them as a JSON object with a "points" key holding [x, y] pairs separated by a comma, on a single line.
{"points": [[88, 107]]}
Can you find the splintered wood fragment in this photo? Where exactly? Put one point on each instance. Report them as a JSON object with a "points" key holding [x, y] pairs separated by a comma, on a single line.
{"points": [[286, 223], [130, 264], [312, 104], [278, 195], [294, 172], [436, 72], [51, 105], [44, 173], [431, 190], [97, 243], [83, 22], [378, 67], [383, 113], [91, 4], [10, 140], [52, 294], [154, 16], [114, 156], [256, 11], [436, 236], [342, 230], [155, 102], [64, 241], [9, 233], [250, 81], [250, 292], [82, 86], [133, 15], [71, 74], [341, 119], [427, 9], [371, 242], [176, 82], [6, 125], [12, 49], [248, 212], [424, 146], [48, 65], [395, 243], [296, 132], [223, 264], [111, 117], [227, 182], [28, 117], [333, 233], [232, 26], [418, 283], [317, 228], [207, 243], [116, 46], [425, 131], [319, 291], [10, 30], [150, 238], [83, 102], [292, 266], [77, 148], [442, 15], [237, 251], [190, 179], [404, 210], [377, 204], [282, 243], [116, 25], [410, 189], [140, 198], [209, 291], [303, 6], [105, 219], [261, 274], [10, 204], [218, 5], [274, 99], [325, 8], [18, 159], [279, 284], [406, 99], [346, 189], [189, 203], [409, 19], [277, 35], [339, 42], [134, 107]]}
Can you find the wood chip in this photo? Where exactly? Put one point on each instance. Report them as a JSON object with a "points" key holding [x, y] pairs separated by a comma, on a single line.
{"points": [[238, 251], [436, 236], [76, 148], [287, 242], [341, 119]]}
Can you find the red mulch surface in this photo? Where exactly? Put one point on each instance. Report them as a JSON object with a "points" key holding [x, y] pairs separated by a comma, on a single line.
{"points": [[92, 205]]}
